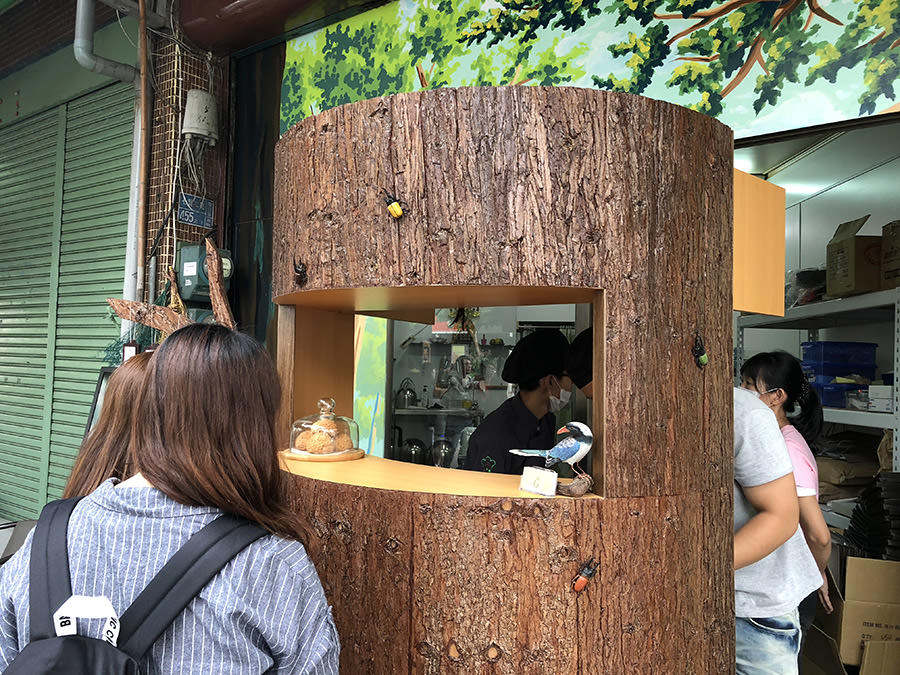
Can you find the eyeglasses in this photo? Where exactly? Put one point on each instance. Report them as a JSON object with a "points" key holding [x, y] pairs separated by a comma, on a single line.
{"points": [[760, 393]]}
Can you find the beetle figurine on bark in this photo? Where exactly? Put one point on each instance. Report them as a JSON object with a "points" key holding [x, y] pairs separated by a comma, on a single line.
{"points": [[587, 570]]}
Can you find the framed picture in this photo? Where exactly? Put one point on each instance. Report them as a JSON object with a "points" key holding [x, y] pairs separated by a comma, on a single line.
{"points": [[99, 393]]}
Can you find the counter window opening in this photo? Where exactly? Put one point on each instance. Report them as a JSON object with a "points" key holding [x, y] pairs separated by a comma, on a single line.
{"points": [[420, 387], [443, 379]]}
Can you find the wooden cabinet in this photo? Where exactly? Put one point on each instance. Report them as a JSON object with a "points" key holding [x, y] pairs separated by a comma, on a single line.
{"points": [[759, 244]]}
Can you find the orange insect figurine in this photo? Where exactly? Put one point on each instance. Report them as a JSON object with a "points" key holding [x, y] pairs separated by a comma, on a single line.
{"points": [[587, 570]]}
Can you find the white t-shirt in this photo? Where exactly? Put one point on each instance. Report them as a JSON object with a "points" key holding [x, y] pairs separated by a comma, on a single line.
{"points": [[776, 584]]}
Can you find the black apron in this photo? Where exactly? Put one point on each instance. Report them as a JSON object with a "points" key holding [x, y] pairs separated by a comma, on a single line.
{"points": [[512, 425]]}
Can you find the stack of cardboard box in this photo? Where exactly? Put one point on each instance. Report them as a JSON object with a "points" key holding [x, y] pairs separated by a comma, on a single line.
{"points": [[861, 264], [864, 629]]}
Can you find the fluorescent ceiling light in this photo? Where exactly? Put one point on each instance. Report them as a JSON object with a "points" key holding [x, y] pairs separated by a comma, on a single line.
{"points": [[743, 164]]}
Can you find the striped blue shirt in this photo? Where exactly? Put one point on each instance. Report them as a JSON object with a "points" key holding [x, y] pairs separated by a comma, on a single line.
{"points": [[265, 612]]}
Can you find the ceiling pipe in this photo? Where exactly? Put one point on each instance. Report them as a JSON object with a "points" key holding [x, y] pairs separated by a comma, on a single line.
{"points": [[84, 47], [144, 160]]}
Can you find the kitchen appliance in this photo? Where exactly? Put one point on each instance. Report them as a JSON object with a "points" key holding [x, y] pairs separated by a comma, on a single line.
{"points": [[442, 452], [415, 451], [406, 395]]}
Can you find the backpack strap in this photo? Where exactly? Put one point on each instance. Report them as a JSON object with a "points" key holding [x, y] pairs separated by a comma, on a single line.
{"points": [[181, 579], [50, 584]]}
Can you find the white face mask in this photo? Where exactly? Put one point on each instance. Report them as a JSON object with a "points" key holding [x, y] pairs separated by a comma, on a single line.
{"points": [[557, 403]]}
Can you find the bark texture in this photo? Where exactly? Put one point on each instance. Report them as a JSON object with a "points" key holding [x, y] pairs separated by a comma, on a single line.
{"points": [[547, 187], [218, 299], [551, 187], [163, 319], [424, 583]]}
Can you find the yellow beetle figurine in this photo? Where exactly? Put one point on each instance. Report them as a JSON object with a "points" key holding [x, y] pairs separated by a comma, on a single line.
{"points": [[394, 206]]}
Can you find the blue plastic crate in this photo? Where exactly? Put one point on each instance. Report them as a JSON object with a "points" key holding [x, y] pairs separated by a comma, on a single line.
{"points": [[824, 372], [835, 395], [839, 352]]}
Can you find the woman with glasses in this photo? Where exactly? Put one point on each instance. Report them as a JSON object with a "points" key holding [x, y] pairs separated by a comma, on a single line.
{"points": [[778, 380]]}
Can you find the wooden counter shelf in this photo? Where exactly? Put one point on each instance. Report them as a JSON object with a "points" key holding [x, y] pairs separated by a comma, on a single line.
{"points": [[388, 474], [517, 196]]}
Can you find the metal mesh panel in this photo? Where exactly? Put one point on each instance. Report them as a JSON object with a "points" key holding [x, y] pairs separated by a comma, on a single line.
{"points": [[175, 165]]}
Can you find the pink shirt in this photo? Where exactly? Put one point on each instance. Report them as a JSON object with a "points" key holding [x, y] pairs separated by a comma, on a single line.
{"points": [[806, 475]]}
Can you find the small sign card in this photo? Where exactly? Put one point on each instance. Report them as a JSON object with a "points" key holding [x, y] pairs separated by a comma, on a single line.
{"points": [[194, 210]]}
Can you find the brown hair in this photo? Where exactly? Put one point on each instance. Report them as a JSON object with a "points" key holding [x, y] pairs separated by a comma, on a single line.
{"points": [[204, 431], [104, 451]]}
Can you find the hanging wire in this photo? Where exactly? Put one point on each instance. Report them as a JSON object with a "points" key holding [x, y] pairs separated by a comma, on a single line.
{"points": [[125, 32]]}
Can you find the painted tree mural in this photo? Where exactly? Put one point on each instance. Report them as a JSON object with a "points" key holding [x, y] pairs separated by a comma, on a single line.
{"points": [[738, 60], [722, 45], [411, 45]]}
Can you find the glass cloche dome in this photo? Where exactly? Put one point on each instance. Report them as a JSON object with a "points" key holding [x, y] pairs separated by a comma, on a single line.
{"points": [[324, 433]]}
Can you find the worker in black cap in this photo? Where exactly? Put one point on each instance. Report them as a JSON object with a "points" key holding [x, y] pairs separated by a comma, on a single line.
{"points": [[580, 362], [537, 365]]}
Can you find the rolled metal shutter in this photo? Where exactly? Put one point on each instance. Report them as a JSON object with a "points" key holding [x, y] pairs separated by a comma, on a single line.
{"points": [[30, 182], [64, 190], [99, 130]]}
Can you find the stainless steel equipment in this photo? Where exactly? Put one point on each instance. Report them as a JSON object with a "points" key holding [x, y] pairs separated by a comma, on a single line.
{"points": [[406, 396]]}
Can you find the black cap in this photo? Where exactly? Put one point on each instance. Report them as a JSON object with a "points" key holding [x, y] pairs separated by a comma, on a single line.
{"points": [[579, 358], [536, 355]]}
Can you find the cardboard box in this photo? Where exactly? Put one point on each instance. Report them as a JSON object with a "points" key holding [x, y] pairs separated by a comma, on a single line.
{"points": [[842, 472], [881, 398], [880, 658], [868, 610], [820, 654], [853, 263], [890, 255]]}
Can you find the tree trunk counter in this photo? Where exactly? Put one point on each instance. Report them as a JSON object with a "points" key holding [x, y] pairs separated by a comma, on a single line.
{"points": [[518, 196], [387, 474], [472, 583]]}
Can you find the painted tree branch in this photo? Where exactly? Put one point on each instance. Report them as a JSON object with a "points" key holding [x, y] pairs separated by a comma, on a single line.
{"points": [[755, 50], [874, 40], [808, 22], [783, 12], [761, 61], [421, 73], [707, 16], [220, 307], [816, 9], [162, 319]]}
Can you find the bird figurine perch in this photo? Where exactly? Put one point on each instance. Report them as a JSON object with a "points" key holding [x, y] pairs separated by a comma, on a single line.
{"points": [[570, 450]]}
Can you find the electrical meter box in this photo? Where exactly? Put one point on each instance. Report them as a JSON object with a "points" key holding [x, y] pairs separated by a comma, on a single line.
{"points": [[193, 281]]}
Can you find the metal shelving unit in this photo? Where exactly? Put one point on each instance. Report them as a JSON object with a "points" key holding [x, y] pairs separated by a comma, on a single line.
{"points": [[878, 307]]}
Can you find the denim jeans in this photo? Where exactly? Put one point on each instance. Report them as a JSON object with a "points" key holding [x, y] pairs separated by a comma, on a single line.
{"points": [[767, 646]]}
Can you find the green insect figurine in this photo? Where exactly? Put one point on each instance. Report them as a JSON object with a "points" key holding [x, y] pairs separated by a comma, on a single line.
{"points": [[699, 351]]}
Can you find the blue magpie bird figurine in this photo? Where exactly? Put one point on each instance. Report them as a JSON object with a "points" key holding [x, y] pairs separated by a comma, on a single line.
{"points": [[569, 450]]}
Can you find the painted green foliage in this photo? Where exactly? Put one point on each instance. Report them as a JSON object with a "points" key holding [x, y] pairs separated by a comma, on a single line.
{"points": [[692, 52], [410, 46], [722, 43]]}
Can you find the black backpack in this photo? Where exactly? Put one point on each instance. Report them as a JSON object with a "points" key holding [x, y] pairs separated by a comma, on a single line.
{"points": [[167, 594]]}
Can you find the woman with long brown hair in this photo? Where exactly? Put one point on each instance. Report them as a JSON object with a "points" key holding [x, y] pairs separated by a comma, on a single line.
{"points": [[104, 451], [203, 442]]}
